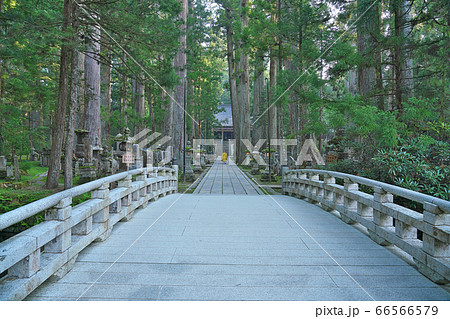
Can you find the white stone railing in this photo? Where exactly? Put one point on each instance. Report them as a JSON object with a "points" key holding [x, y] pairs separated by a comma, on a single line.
{"points": [[51, 247], [386, 222]]}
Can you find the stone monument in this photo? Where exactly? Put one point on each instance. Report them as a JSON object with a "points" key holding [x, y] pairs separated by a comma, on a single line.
{"points": [[189, 173]]}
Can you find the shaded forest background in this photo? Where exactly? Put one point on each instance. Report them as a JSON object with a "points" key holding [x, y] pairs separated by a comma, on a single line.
{"points": [[370, 78]]}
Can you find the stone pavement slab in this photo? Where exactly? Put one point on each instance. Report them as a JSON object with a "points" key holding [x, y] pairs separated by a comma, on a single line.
{"points": [[215, 247], [226, 179]]}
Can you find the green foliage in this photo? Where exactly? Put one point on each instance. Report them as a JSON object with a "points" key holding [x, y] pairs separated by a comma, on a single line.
{"points": [[364, 124], [419, 164], [81, 198], [12, 199]]}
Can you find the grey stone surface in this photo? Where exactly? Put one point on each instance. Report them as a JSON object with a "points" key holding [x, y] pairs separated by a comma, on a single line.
{"points": [[239, 247], [226, 179]]}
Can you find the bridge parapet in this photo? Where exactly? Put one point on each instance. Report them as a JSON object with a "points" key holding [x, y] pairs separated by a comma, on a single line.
{"points": [[51, 247], [423, 232]]}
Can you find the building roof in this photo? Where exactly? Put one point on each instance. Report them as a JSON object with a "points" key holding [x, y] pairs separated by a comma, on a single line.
{"points": [[225, 117]]}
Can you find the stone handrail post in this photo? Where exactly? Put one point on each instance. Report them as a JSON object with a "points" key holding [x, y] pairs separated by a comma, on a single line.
{"points": [[62, 212]]}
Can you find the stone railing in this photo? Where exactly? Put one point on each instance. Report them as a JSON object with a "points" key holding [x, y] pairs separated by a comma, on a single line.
{"points": [[51, 247], [423, 234]]}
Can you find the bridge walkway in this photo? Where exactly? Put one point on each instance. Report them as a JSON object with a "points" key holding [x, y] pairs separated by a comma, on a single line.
{"points": [[240, 247], [227, 179]]}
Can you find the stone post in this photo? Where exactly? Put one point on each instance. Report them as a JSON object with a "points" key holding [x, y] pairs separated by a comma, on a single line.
{"points": [[175, 174], [16, 168], [434, 217], [380, 219], [101, 218], [3, 167], [189, 173], [138, 160], [61, 212], [142, 191], [435, 242], [350, 205], [328, 194], [126, 200]]}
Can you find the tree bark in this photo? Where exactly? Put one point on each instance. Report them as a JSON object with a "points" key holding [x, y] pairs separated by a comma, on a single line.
{"points": [[59, 123], [235, 109], [73, 104], [244, 92], [139, 102], [403, 68], [178, 137], [368, 29], [280, 68], [123, 94], [273, 134], [105, 79], [259, 100], [92, 119]]}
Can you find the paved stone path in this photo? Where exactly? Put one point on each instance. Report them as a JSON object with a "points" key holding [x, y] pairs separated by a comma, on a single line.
{"points": [[226, 179], [240, 247]]}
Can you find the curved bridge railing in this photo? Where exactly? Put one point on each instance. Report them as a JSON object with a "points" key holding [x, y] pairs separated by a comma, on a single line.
{"points": [[51, 247], [422, 233]]}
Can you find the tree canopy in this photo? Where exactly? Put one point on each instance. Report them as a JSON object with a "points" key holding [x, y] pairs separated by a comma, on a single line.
{"points": [[370, 77]]}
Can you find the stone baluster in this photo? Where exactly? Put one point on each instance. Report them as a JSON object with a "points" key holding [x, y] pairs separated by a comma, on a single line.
{"points": [[175, 176], [147, 174], [351, 205], [101, 218], [433, 216], [338, 199], [314, 177], [435, 242], [143, 190], [313, 189], [302, 177], [141, 178], [380, 219], [60, 245], [328, 194], [61, 212], [27, 267], [126, 200], [83, 228]]}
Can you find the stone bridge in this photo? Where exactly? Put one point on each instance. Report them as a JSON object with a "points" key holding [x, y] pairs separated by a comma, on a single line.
{"points": [[335, 237]]}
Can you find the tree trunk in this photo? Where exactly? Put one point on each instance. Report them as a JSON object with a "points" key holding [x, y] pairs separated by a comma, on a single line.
{"points": [[244, 91], [92, 120], [273, 83], [73, 104], [301, 111], [81, 93], [235, 109], [368, 28], [294, 101], [259, 99], [403, 68], [139, 102], [105, 79], [280, 68], [59, 124], [150, 106], [178, 137], [123, 94]]}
